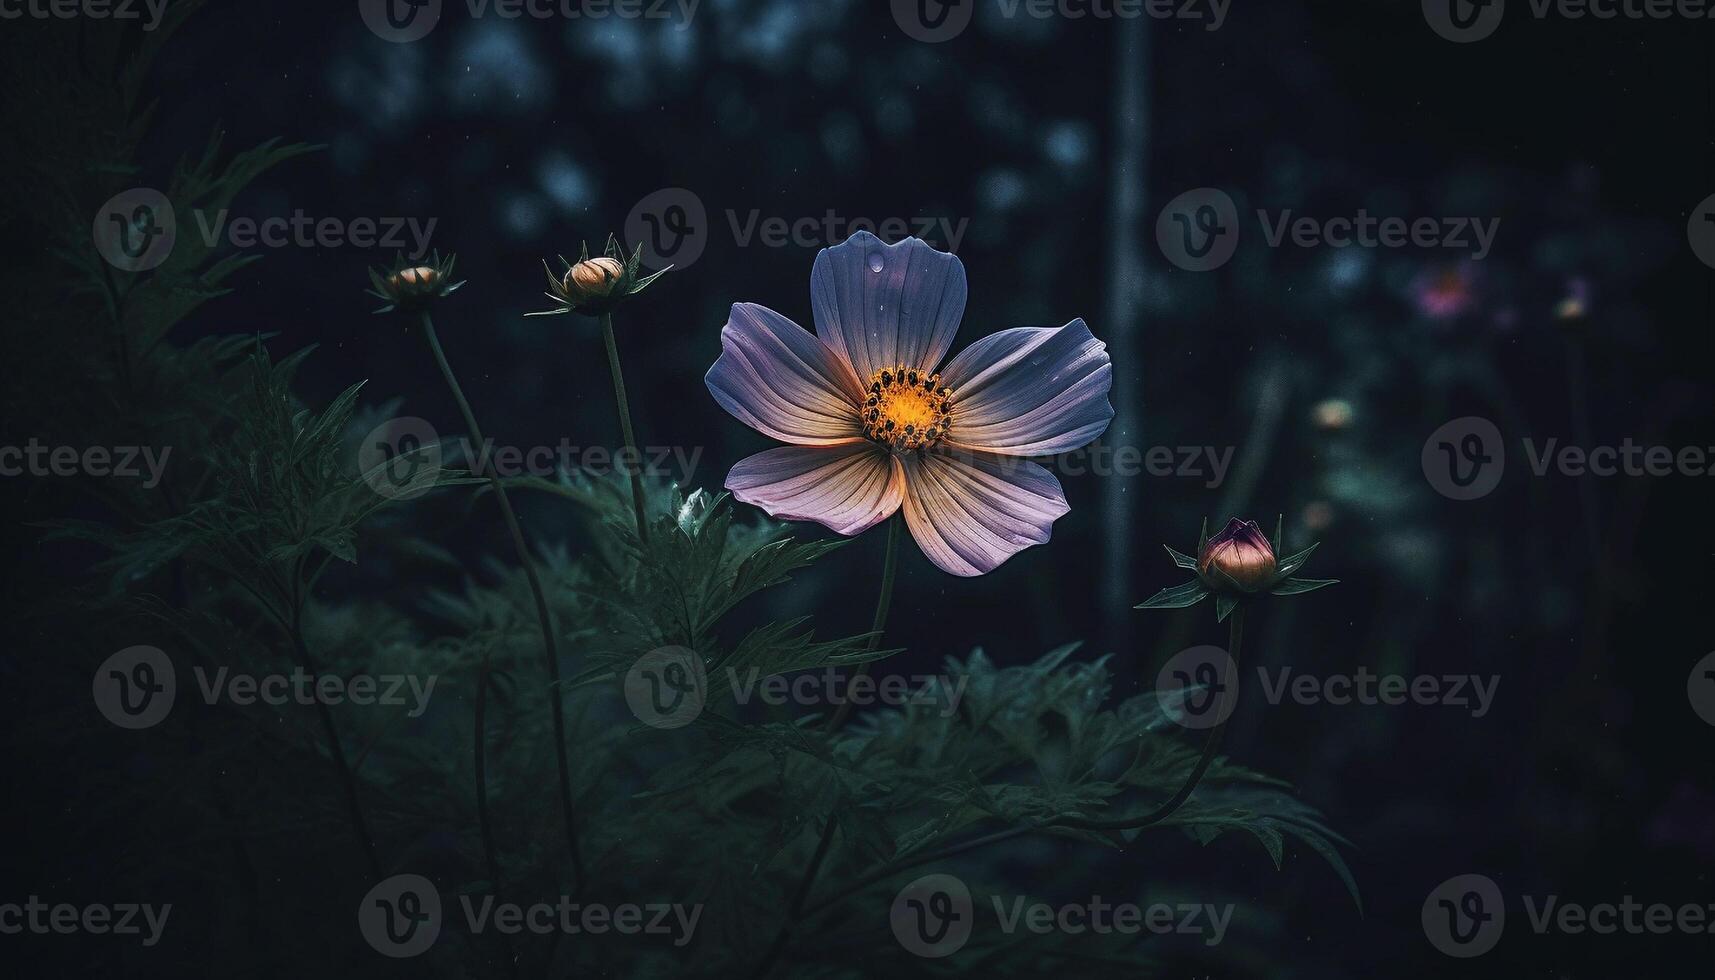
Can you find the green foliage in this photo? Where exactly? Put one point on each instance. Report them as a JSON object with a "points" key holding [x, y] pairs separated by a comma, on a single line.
{"points": [[266, 547]]}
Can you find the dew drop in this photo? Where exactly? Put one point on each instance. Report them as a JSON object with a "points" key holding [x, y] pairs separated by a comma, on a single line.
{"points": [[875, 262]]}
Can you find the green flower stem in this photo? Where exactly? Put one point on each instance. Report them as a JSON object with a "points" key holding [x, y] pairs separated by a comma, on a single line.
{"points": [[884, 601], [625, 431], [550, 655], [1210, 743]]}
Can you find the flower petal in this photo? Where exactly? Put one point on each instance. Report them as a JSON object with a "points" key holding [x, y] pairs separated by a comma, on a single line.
{"points": [[780, 380], [971, 511], [881, 306], [1031, 391], [848, 489]]}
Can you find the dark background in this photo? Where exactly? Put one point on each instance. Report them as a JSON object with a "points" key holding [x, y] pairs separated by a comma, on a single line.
{"points": [[1590, 141]]}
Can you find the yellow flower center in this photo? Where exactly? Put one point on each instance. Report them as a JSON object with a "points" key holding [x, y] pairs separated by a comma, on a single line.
{"points": [[905, 409]]}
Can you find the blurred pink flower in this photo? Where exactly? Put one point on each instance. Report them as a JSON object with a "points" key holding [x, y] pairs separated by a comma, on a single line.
{"points": [[1445, 293], [872, 427]]}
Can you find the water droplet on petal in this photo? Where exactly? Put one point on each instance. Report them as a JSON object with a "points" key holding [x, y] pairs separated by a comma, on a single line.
{"points": [[875, 262]]}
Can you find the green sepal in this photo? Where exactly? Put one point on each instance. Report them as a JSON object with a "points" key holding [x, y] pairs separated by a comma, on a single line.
{"points": [[1178, 597], [1297, 586], [1183, 561], [1293, 563], [1225, 603]]}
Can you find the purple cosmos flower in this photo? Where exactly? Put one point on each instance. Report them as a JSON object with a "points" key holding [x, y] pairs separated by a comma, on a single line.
{"points": [[872, 427]]}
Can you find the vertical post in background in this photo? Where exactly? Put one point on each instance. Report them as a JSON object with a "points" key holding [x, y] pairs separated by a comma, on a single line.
{"points": [[1128, 179]]}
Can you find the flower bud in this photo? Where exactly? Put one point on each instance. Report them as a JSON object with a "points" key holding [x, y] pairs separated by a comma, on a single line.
{"points": [[413, 288], [417, 279], [1239, 557], [592, 279]]}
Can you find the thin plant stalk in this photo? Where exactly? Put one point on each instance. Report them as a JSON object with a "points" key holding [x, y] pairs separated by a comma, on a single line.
{"points": [[883, 602], [1211, 742], [625, 431], [550, 653]]}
